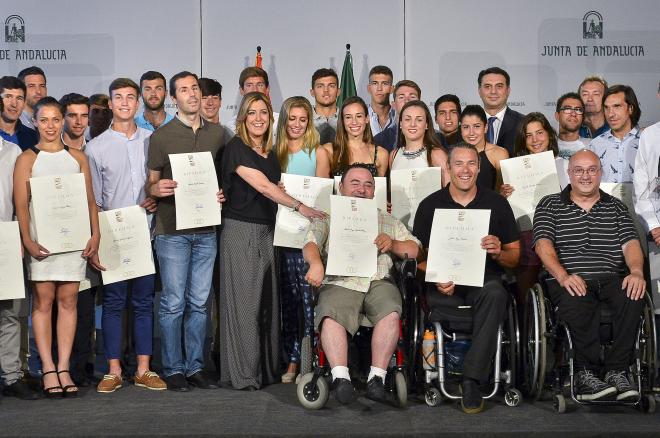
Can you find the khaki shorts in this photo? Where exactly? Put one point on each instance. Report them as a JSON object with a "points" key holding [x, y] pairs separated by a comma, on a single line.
{"points": [[351, 308]]}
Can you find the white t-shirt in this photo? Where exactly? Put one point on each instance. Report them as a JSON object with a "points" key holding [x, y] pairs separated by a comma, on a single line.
{"points": [[9, 152], [568, 148]]}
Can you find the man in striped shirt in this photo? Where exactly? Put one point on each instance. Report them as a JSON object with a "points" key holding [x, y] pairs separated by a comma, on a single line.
{"points": [[587, 241]]}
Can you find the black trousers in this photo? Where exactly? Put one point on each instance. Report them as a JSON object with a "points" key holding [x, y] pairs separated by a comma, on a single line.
{"points": [[582, 315], [489, 304]]}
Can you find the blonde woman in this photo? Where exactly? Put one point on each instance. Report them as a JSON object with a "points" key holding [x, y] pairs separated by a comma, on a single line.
{"points": [[299, 153], [249, 302]]}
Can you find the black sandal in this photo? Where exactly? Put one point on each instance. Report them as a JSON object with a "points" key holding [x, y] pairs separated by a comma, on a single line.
{"points": [[65, 389], [51, 392]]}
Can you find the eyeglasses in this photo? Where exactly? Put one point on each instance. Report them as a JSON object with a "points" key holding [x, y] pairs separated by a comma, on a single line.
{"points": [[579, 171], [570, 109]]}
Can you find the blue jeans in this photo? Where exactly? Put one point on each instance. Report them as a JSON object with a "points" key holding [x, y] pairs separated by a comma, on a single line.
{"points": [[186, 270], [114, 303]]}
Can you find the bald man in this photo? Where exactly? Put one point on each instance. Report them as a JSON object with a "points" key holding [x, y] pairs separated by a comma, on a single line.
{"points": [[587, 242]]}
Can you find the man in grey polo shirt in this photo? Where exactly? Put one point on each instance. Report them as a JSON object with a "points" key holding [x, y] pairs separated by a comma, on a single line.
{"points": [[186, 257]]}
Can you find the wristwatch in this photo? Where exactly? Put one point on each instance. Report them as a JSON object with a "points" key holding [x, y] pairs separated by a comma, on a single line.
{"points": [[297, 205]]}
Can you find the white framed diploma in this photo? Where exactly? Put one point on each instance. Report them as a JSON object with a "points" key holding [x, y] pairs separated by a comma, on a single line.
{"points": [[624, 192], [11, 262], [455, 252], [353, 229], [380, 190], [195, 194], [408, 187], [291, 226], [125, 249], [532, 176], [60, 212]]}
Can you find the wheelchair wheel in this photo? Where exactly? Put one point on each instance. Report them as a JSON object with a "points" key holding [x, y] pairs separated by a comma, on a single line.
{"points": [[400, 389], [559, 404], [432, 397], [512, 347], [512, 397], [649, 355], [306, 355], [412, 332], [313, 396], [535, 350]]}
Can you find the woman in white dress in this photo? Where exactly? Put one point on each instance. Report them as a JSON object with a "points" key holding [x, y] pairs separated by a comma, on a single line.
{"points": [[419, 145], [55, 277]]}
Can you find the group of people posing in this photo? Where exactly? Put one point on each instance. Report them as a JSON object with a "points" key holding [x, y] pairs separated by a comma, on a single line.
{"points": [[583, 237]]}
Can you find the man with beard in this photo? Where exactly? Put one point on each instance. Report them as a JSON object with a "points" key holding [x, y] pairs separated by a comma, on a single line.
{"points": [[186, 257], [76, 120], [153, 89], [570, 114], [34, 79]]}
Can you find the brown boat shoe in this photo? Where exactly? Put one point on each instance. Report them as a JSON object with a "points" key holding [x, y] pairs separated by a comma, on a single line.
{"points": [[109, 383], [150, 380]]}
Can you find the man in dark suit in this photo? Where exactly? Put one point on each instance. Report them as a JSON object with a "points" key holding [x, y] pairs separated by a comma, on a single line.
{"points": [[503, 122]]}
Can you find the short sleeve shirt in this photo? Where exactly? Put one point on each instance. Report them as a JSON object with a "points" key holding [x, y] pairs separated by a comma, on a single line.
{"points": [[586, 243], [502, 221], [318, 233]]}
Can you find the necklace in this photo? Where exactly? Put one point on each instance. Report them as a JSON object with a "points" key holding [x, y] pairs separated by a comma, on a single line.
{"points": [[411, 155]]}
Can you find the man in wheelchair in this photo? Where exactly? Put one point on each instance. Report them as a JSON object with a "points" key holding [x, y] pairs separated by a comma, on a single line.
{"points": [[345, 303], [502, 245], [588, 243]]}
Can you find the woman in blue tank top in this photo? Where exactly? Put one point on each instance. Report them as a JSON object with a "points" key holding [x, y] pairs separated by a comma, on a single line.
{"points": [[299, 153]]}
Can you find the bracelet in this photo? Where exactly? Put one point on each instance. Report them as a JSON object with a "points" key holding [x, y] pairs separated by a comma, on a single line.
{"points": [[296, 206]]}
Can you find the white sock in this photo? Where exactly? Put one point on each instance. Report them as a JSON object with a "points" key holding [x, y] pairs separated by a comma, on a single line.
{"points": [[375, 371], [340, 372]]}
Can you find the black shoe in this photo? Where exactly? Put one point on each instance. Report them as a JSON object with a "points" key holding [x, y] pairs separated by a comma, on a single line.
{"points": [[201, 381], [471, 400], [619, 380], [176, 382], [21, 390], [344, 390], [590, 387], [376, 389]]}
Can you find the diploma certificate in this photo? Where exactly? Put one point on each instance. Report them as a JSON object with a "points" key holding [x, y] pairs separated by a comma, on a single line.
{"points": [[291, 226], [60, 212], [624, 193], [380, 190], [195, 194], [125, 249], [533, 177], [408, 187], [353, 229], [455, 252], [11, 262]]}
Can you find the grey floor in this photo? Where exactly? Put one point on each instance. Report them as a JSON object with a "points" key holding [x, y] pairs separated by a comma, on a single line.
{"points": [[276, 411]]}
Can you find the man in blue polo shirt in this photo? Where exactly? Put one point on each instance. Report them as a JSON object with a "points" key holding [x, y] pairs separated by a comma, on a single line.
{"points": [[153, 90]]}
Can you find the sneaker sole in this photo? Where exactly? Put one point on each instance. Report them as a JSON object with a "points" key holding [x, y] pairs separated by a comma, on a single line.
{"points": [[108, 391], [142, 385], [627, 395], [607, 393]]}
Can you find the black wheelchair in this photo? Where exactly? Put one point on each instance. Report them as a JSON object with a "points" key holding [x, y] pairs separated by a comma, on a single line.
{"points": [[447, 326], [548, 353], [313, 388]]}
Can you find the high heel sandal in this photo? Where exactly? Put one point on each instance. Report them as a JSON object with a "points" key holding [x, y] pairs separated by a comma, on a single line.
{"points": [[50, 392], [65, 389]]}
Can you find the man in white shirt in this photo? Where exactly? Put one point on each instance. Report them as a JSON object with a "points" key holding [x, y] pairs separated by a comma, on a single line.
{"points": [[381, 113], [570, 114], [646, 180], [10, 327]]}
